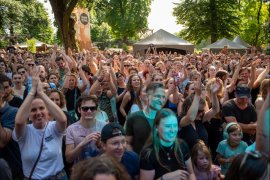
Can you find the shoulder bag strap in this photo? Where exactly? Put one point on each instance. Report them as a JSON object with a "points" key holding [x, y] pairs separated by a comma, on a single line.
{"points": [[41, 147]]}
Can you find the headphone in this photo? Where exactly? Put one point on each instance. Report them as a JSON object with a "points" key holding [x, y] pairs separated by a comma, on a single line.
{"points": [[225, 132]]}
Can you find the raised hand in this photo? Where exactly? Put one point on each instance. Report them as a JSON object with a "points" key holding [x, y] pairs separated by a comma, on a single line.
{"points": [[198, 87], [216, 86]]}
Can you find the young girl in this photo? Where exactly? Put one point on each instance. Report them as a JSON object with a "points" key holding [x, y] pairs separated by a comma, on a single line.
{"points": [[231, 146], [202, 163]]}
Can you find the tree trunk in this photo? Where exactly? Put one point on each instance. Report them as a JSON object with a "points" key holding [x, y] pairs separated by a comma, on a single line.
{"points": [[62, 10], [213, 25]]}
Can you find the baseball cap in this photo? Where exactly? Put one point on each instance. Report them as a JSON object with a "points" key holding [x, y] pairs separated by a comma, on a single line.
{"points": [[242, 91], [111, 130]]}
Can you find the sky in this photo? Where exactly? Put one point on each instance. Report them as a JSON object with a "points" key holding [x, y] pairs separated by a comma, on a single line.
{"points": [[160, 16]]}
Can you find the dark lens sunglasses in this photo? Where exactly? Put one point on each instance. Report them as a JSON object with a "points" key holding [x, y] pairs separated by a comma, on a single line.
{"points": [[86, 108]]}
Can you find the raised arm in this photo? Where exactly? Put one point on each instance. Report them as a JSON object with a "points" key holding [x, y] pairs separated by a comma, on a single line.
{"points": [[193, 110], [261, 77], [215, 102], [262, 130], [83, 77]]}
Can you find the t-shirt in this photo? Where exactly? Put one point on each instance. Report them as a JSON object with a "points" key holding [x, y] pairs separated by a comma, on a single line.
{"points": [[50, 161], [11, 152], [130, 161], [15, 102], [245, 116], [76, 133], [139, 128], [226, 152], [150, 162]]}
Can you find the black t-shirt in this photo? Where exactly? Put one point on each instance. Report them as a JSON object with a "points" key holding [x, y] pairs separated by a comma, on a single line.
{"points": [[139, 128], [191, 135], [16, 102], [71, 98], [149, 161], [245, 116]]}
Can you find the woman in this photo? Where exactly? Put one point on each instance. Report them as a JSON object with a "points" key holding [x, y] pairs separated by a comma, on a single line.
{"points": [[165, 156], [194, 116], [18, 88], [54, 78], [40, 142], [132, 95]]}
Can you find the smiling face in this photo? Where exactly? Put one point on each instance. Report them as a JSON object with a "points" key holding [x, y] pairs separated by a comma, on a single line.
{"points": [[55, 97], [53, 79], [72, 82], [135, 82], [17, 79], [235, 137], [156, 99], [115, 147], [89, 114], [38, 113], [167, 130]]}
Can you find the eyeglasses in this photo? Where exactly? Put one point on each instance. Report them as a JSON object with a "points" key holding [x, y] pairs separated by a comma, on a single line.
{"points": [[126, 65], [31, 65], [86, 108], [22, 72]]}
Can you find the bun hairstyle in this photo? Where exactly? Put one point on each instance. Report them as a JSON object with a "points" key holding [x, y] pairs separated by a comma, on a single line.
{"points": [[231, 127]]}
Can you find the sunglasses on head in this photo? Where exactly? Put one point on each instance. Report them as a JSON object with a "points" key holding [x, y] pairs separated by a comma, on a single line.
{"points": [[86, 108]]}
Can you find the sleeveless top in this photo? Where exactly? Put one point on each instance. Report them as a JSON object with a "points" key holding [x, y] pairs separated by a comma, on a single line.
{"points": [[104, 103]]}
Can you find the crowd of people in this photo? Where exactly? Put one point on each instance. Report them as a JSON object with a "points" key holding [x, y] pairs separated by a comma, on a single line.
{"points": [[118, 116]]}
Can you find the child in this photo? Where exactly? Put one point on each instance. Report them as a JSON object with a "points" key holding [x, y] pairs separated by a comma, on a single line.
{"points": [[231, 146], [202, 163]]}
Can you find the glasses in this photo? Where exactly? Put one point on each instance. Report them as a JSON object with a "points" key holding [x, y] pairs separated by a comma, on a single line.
{"points": [[31, 65], [126, 65], [86, 108], [22, 72]]}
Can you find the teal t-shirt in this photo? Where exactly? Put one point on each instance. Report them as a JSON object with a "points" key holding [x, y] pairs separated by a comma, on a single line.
{"points": [[226, 152]]}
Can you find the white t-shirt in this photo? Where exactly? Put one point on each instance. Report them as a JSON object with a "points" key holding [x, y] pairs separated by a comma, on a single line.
{"points": [[50, 161]]}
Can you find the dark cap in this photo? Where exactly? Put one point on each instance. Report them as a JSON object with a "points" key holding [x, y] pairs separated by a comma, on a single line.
{"points": [[242, 91], [86, 69], [111, 130]]}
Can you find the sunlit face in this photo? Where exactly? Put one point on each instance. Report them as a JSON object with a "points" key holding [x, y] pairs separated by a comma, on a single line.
{"points": [[7, 89], [244, 75], [53, 79], [38, 113], [146, 63], [55, 97], [89, 114], [170, 83], [235, 137], [212, 71], [115, 147], [167, 130], [158, 79], [135, 82], [157, 99], [202, 161], [17, 79], [72, 82], [60, 64], [2, 67]]}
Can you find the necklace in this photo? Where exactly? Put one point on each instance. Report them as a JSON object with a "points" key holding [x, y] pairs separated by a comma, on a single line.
{"points": [[168, 152]]}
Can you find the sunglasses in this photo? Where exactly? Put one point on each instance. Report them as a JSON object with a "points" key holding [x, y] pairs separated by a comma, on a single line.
{"points": [[86, 108], [126, 65], [189, 68], [21, 72], [31, 65]]}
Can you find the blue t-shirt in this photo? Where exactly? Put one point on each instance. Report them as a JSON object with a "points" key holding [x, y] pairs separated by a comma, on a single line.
{"points": [[130, 161], [226, 152]]}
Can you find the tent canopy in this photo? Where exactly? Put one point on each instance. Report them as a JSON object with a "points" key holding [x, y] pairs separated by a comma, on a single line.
{"points": [[163, 40], [225, 42], [238, 40]]}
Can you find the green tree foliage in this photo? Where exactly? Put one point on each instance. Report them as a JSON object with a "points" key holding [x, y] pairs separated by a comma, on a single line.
{"points": [[31, 45], [207, 18], [127, 17], [22, 19], [254, 17]]}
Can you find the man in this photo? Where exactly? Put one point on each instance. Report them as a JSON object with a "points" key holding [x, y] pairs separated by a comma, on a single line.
{"points": [[83, 137], [113, 142], [9, 97], [9, 149], [139, 124], [240, 110]]}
